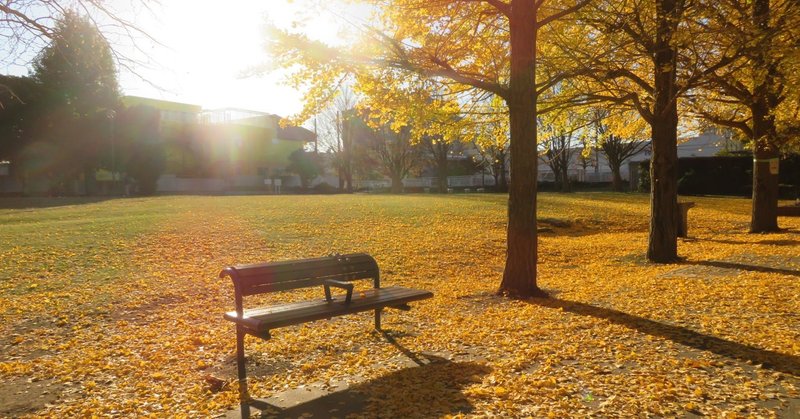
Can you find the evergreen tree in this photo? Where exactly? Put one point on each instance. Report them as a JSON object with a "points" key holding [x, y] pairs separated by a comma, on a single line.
{"points": [[77, 68], [79, 91]]}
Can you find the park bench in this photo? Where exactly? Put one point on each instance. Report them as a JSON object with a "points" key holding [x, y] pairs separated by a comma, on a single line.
{"points": [[332, 271]]}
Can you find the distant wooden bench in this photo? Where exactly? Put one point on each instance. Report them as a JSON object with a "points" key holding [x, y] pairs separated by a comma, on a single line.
{"points": [[332, 271], [789, 211]]}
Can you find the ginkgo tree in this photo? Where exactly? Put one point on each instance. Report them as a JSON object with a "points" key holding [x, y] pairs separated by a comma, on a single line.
{"points": [[757, 95], [562, 132], [481, 47], [407, 105], [653, 52], [491, 139], [620, 136]]}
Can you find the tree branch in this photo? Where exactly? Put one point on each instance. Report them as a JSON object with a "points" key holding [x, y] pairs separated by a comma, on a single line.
{"points": [[561, 13], [501, 6], [731, 123]]}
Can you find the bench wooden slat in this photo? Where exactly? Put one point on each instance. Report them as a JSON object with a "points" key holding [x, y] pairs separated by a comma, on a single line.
{"points": [[260, 287], [297, 308], [282, 276], [293, 270], [264, 319], [283, 273]]}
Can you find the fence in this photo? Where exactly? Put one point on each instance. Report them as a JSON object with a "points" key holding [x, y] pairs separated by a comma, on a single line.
{"points": [[474, 181], [578, 175]]}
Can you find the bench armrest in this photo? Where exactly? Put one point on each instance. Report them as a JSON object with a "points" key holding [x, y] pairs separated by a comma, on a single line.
{"points": [[328, 283]]}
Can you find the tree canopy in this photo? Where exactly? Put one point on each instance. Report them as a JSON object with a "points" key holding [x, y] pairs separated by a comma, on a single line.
{"points": [[77, 70], [470, 50]]}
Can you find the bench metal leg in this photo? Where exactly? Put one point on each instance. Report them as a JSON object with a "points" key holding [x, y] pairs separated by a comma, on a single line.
{"points": [[378, 318], [243, 396]]}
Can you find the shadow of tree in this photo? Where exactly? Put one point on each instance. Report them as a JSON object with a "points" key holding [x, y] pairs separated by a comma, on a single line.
{"points": [[47, 202], [743, 267], [769, 242], [431, 389], [772, 360]]}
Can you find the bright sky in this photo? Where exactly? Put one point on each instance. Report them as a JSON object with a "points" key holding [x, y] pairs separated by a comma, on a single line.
{"points": [[208, 45]]}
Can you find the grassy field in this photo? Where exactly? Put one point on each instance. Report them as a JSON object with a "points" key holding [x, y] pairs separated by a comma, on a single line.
{"points": [[113, 307]]}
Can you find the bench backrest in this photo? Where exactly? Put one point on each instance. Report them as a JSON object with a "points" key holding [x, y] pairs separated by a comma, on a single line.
{"points": [[263, 278]]}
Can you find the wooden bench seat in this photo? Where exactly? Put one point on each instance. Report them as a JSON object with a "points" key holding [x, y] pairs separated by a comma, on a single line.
{"points": [[264, 319], [337, 271]]}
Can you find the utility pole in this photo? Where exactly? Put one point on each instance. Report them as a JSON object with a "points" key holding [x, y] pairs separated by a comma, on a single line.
{"points": [[316, 136]]}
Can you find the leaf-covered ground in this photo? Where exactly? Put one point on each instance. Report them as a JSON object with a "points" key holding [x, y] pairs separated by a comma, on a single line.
{"points": [[114, 308]]}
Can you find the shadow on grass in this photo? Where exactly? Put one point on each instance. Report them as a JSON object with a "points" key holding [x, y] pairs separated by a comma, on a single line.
{"points": [[772, 360], [743, 267], [43, 202], [433, 388], [766, 242]]}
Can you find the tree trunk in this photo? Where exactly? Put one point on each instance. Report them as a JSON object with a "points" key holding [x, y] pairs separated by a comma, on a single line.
{"points": [[519, 277], [397, 183], [764, 214], [349, 179], [503, 178], [565, 186], [662, 244], [341, 180], [616, 178], [441, 168]]}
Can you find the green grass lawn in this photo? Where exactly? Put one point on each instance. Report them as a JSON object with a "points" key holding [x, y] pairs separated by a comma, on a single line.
{"points": [[114, 307]]}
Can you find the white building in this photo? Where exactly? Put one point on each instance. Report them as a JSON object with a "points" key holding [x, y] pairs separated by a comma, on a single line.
{"points": [[707, 144]]}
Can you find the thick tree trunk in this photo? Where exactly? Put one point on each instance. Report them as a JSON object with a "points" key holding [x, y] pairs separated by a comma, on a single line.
{"points": [[503, 178], [441, 179], [764, 215], [441, 168], [349, 180], [397, 184], [616, 178], [663, 240], [565, 186], [519, 277]]}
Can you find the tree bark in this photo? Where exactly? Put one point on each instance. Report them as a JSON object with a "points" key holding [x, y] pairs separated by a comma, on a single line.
{"points": [[439, 151], [397, 183], [662, 244], [565, 184], [519, 277], [349, 178], [441, 174], [764, 214], [503, 179], [616, 178]]}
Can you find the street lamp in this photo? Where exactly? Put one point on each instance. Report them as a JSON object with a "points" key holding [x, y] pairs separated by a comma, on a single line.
{"points": [[111, 115]]}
